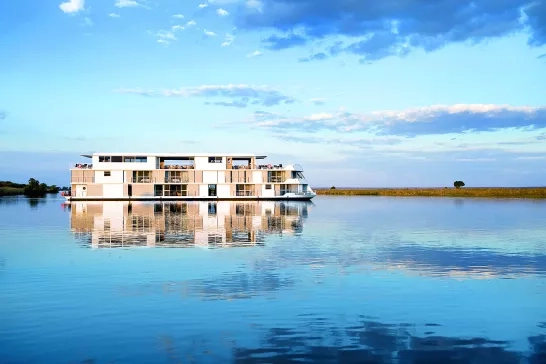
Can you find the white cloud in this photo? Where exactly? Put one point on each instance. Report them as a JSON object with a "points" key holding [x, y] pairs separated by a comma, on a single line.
{"points": [[202, 6], [222, 12], [113, 15], [191, 23], [318, 100], [164, 37], [239, 95], [178, 16], [254, 54], [126, 3], [209, 33], [87, 22], [255, 4], [228, 40], [176, 28], [72, 6], [428, 120]]}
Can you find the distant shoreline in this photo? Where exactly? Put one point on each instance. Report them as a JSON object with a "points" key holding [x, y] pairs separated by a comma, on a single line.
{"points": [[487, 192]]}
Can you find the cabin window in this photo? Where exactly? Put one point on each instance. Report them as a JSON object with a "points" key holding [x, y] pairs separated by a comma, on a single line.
{"points": [[215, 159], [103, 158], [141, 159], [142, 176], [128, 159], [267, 187], [107, 173], [117, 159]]}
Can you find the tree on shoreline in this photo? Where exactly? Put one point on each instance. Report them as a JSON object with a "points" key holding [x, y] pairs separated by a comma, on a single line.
{"points": [[35, 189], [458, 184]]}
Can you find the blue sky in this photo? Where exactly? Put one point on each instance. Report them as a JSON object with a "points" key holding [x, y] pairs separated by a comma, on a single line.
{"points": [[391, 93]]}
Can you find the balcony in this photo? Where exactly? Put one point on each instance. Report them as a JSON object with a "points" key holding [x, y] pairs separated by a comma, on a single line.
{"points": [[177, 180], [142, 180], [182, 193], [239, 180], [82, 180], [270, 166], [275, 180], [177, 166], [244, 193]]}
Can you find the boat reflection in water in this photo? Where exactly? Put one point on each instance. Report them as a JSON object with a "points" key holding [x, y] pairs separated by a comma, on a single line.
{"points": [[113, 224]]}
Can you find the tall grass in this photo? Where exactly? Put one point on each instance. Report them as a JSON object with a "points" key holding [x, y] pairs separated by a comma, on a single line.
{"points": [[493, 192], [10, 191]]}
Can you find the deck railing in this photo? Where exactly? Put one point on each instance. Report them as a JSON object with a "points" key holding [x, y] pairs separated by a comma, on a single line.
{"points": [[82, 180], [244, 193], [177, 180], [82, 166], [142, 180], [239, 180]]}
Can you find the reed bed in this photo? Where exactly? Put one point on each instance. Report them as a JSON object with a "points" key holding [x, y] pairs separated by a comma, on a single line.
{"points": [[10, 191], [491, 192]]}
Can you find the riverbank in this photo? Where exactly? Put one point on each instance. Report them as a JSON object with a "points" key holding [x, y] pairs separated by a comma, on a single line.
{"points": [[491, 192], [32, 189], [11, 191]]}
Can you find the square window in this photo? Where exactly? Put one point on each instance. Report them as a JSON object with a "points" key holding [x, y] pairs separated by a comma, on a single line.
{"points": [[267, 187], [107, 173]]}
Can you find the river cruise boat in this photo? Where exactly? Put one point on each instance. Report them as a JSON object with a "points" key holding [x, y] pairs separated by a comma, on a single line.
{"points": [[183, 176]]}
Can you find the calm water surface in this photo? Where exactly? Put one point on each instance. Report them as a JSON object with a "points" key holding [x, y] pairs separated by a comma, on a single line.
{"points": [[349, 280]]}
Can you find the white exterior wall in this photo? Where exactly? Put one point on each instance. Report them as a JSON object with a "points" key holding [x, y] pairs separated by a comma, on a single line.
{"points": [[210, 177], [221, 176], [115, 177], [223, 190], [268, 193], [81, 190], [202, 163], [112, 190], [203, 190], [136, 166], [257, 177]]}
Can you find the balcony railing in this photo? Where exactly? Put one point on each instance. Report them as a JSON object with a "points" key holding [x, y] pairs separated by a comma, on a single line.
{"points": [[239, 180], [142, 180], [275, 179], [177, 166], [82, 180], [270, 166], [179, 193], [244, 193], [177, 180], [83, 166]]}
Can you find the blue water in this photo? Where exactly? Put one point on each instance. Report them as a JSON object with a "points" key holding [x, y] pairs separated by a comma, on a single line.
{"points": [[348, 280]]}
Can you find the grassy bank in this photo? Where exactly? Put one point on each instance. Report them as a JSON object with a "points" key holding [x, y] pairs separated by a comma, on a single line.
{"points": [[11, 191], [492, 192], [31, 189]]}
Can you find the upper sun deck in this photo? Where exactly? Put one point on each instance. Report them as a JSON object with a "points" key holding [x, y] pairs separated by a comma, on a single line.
{"points": [[179, 161]]}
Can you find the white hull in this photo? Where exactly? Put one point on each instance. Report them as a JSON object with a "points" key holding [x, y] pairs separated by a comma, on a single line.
{"points": [[287, 196]]}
